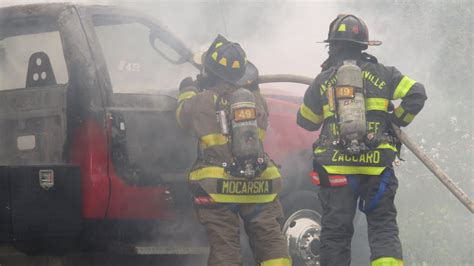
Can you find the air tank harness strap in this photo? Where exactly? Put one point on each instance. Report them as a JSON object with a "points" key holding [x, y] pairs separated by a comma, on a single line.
{"points": [[369, 207]]}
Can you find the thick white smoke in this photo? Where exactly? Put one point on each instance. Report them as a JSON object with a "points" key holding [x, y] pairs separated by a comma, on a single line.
{"points": [[431, 41]]}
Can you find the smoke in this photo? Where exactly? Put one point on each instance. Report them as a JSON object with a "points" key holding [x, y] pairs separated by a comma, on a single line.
{"points": [[430, 41]]}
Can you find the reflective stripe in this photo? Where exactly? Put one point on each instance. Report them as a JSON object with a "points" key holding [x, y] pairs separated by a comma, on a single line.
{"points": [[353, 170], [403, 87], [186, 95], [320, 150], [326, 112], [387, 146], [387, 261], [306, 112], [207, 172], [213, 140], [178, 114], [376, 104], [270, 173], [276, 262], [408, 118], [399, 111], [222, 198], [261, 134]]}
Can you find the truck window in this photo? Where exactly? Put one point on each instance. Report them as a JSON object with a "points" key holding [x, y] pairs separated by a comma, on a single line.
{"points": [[134, 66], [15, 54], [33, 86]]}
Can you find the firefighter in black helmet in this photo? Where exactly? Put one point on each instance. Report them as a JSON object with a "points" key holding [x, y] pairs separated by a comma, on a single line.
{"points": [[231, 180], [350, 101]]}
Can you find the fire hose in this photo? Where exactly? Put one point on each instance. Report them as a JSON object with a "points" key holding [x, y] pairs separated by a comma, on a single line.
{"points": [[405, 140]]}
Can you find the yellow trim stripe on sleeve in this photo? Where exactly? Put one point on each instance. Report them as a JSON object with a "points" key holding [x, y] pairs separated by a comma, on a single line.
{"points": [[308, 114], [376, 104], [327, 113], [403, 88], [262, 134], [408, 118], [387, 261], [186, 95], [277, 262], [222, 198], [213, 140], [399, 111], [178, 114]]}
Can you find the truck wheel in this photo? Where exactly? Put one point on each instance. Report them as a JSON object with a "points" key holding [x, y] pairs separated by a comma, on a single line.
{"points": [[302, 226]]}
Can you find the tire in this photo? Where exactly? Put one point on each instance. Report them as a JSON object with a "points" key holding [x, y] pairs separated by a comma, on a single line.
{"points": [[302, 226]]}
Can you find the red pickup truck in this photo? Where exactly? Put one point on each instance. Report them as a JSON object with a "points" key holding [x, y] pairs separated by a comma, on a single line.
{"points": [[92, 157]]}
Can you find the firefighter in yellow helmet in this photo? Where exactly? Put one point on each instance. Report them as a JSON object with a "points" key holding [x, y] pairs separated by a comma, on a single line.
{"points": [[232, 179], [353, 156]]}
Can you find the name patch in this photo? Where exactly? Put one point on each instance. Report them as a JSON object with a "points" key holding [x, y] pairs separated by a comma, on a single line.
{"points": [[371, 157], [244, 187]]}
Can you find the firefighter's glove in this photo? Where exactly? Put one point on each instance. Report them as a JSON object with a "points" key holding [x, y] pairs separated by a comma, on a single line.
{"points": [[397, 121], [185, 83]]}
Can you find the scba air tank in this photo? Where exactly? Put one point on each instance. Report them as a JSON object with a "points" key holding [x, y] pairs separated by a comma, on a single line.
{"points": [[246, 146], [351, 111]]}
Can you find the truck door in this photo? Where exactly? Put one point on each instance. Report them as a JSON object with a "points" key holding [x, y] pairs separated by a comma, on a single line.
{"points": [[147, 146]]}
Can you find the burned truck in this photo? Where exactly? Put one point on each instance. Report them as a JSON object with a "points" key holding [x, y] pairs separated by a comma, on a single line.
{"points": [[92, 157]]}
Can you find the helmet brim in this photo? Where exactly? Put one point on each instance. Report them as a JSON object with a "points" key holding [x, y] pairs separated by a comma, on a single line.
{"points": [[369, 43], [250, 74]]}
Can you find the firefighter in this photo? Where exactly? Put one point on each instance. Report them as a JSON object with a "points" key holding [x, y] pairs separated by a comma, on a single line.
{"points": [[232, 178], [350, 100]]}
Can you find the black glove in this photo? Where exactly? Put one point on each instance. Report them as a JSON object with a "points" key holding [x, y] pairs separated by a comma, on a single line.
{"points": [[186, 82]]}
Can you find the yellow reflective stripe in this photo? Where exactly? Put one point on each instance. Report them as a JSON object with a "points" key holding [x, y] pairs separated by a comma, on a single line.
{"points": [[186, 95], [270, 173], [277, 262], [376, 104], [327, 113], [387, 146], [408, 118], [213, 140], [354, 170], [261, 134], [308, 114], [399, 111], [243, 198], [320, 150], [207, 172], [178, 114], [403, 87], [387, 261]]}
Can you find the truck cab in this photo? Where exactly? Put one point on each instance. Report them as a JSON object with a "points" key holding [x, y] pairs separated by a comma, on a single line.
{"points": [[92, 154]]}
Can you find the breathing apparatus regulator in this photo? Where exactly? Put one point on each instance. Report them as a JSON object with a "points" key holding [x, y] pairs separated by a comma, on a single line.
{"points": [[347, 102], [239, 123]]}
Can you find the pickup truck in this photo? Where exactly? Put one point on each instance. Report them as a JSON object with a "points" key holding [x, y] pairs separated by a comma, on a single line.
{"points": [[92, 157]]}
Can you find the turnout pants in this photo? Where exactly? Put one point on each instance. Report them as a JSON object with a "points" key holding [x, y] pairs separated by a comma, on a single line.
{"points": [[261, 222], [339, 206]]}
